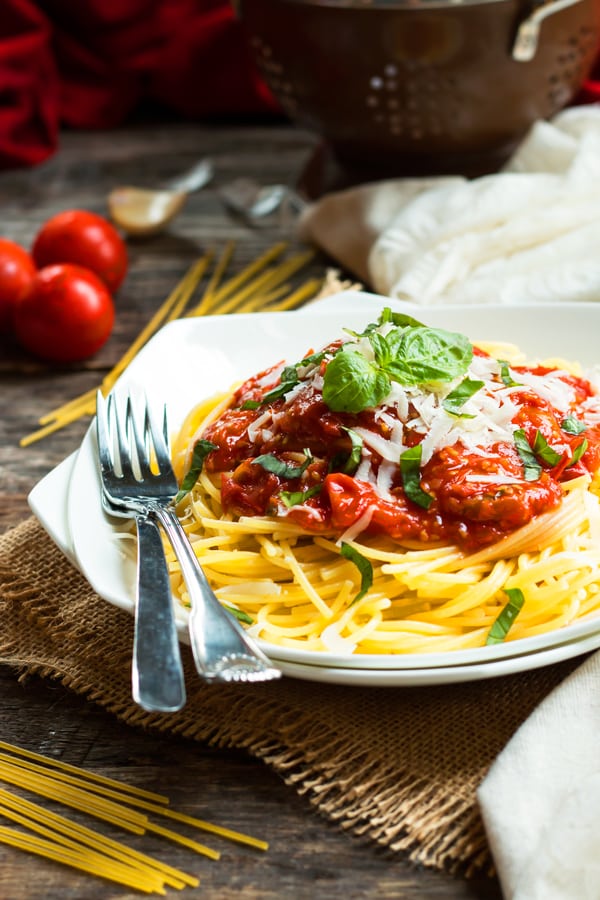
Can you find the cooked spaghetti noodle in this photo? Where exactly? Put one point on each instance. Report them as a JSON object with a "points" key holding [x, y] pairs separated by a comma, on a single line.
{"points": [[341, 542]]}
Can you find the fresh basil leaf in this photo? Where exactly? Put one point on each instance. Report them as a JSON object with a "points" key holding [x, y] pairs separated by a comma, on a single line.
{"points": [[201, 450], [532, 468], [381, 349], [572, 425], [410, 470], [400, 320], [506, 617], [505, 376], [251, 404], [353, 460], [424, 355], [271, 463], [239, 614], [295, 498], [364, 567], [351, 383], [456, 399], [544, 451], [578, 452], [313, 359]]}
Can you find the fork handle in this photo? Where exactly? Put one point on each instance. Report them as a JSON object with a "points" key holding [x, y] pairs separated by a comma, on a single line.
{"points": [[157, 676], [218, 642]]}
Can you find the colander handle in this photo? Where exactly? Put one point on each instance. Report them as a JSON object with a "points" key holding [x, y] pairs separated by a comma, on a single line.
{"points": [[528, 33]]}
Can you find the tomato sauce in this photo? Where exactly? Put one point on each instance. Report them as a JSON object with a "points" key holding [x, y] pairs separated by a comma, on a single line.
{"points": [[476, 496]]}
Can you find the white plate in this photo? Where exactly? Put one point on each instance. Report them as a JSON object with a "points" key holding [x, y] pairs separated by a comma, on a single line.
{"points": [[193, 358]]}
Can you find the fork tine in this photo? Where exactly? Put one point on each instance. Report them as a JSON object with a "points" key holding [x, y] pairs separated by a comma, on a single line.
{"points": [[159, 436], [119, 430], [104, 453], [143, 449]]}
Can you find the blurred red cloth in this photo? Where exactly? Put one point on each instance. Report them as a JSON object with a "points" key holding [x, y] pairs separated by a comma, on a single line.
{"points": [[89, 63]]}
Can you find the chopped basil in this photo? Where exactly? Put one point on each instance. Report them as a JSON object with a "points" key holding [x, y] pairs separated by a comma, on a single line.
{"points": [[544, 451], [274, 394], [578, 452], [352, 383], [277, 466], [201, 450], [400, 320], [505, 375], [506, 617], [532, 468], [353, 460], [239, 614], [410, 470], [572, 425], [456, 399], [364, 567], [295, 498], [279, 391]]}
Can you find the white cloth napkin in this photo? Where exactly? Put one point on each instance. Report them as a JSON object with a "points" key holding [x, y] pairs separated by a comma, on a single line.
{"points": [[540, 801], [527, 234]]}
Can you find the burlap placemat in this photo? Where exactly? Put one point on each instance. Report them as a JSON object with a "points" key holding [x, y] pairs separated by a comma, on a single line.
{"points": [[399, 766]]}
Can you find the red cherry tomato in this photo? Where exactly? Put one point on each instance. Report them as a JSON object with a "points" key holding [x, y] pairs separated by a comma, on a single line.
{"points": [[17, 271], [85, 239], [67, 314]]}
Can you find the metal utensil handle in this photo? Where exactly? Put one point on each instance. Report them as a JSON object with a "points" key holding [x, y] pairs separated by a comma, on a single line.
{"points": [[528, 32], [216, 638], [157, 675]]}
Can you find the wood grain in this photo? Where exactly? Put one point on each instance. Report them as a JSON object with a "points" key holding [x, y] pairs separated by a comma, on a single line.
{"points": [[308, 856]]}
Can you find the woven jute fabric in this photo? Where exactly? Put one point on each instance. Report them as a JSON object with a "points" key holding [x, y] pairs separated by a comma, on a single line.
{"points": [[399, 766]]}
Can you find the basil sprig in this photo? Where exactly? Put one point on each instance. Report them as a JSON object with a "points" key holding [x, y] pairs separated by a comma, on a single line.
{"points": [[201, 450], [364, 567], [409, 353], [508, 614], [410, 471]]}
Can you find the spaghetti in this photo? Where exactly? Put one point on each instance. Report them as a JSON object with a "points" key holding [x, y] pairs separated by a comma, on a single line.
{"points": [[399, 491]]}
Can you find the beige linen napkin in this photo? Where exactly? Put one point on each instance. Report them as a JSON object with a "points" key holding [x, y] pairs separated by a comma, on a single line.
{"points": [[540, 801], [527, 234]]}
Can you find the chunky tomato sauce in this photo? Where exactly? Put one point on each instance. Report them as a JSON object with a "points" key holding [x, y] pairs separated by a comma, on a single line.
{"points": [[476, 496]]}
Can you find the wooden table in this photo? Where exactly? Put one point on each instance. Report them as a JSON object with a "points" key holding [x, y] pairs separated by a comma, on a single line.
{"points": [[308, 856]]}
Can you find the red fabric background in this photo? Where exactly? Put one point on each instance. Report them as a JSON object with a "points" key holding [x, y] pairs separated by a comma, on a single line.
{"points": [[89, 63]]}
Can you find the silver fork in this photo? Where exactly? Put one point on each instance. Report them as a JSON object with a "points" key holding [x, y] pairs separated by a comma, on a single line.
{"points": [[222, 650], [157, 680]]}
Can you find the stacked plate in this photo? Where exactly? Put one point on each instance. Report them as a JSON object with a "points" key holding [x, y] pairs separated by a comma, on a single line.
{"points": [[193, 358]]}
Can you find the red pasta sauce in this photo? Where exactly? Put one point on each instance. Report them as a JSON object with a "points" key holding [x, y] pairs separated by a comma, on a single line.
{"points": [[476, 496]]}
